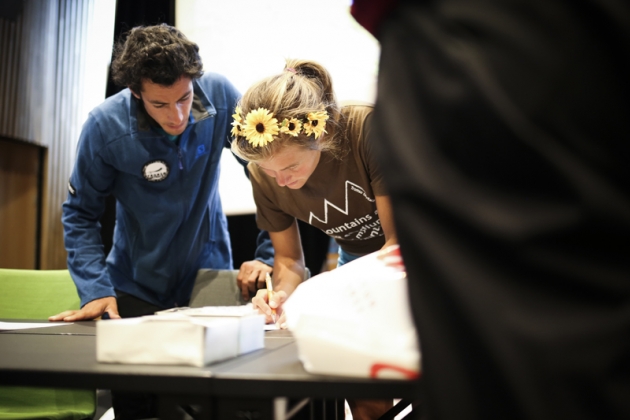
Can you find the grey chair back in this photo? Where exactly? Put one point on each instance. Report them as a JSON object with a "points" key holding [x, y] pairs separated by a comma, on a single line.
{"points": [[218, 288]]}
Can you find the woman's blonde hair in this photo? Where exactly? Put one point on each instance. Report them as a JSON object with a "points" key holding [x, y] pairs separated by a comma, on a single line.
{"points": [[302, 88]]}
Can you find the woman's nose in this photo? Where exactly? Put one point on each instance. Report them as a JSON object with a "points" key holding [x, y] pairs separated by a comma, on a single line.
{"points": [[281, 179]]}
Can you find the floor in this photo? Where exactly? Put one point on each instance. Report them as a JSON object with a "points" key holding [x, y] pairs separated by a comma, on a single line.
{"points": [[105, 412]]}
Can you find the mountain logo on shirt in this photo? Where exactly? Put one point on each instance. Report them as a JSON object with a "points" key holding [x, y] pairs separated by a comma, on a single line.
{"points": [[359, 228], [155, 171], [350, 186]]}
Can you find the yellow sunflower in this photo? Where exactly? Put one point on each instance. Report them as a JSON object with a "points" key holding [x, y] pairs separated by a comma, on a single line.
{"points": [[291, 127], [237, 115], [237, 124], [237, 129], [260, 127], [315, 123]]}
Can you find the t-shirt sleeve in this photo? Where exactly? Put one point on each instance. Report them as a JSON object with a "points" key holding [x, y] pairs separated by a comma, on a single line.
{"points": [[368, 152], [269, 216]]}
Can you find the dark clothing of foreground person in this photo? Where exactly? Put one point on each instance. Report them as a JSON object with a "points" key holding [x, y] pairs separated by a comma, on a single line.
{"points": [[506, 158]]}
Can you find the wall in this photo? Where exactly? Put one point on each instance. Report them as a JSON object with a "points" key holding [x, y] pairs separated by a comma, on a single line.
{"points": [[247, 40], [53, 69]]}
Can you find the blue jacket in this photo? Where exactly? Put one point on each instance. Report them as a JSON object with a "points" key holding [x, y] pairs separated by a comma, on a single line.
{"points": [[169, 219]]}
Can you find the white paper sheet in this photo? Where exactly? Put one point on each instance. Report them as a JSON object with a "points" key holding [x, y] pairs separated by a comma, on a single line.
{"points": [[5, 326], [227, 311]]}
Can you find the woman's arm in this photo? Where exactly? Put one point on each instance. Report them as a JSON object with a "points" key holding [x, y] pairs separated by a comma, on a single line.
{"points": [[288, 270], [386, 216], [288, 267]]}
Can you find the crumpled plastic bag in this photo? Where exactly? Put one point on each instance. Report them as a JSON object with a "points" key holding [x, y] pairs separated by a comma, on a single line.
{"points": [[355, 320]]}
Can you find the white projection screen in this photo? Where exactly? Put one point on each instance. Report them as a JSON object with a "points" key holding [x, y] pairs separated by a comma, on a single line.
{"points": [[247, 40]]}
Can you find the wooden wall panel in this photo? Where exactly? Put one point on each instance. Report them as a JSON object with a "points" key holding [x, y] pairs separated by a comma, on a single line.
{"points": [[19, 170]]}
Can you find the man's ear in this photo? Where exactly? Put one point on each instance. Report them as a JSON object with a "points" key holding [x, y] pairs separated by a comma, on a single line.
{"points": [[135, 94]]}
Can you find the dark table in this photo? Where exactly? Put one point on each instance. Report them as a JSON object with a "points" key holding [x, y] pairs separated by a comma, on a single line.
{"points": [[261, 384]]}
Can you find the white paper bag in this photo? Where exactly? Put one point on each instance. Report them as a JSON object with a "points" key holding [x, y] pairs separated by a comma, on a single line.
{"points": [[355, 321]]}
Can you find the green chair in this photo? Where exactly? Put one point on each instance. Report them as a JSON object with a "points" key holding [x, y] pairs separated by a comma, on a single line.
{"points": [[36, 295]]}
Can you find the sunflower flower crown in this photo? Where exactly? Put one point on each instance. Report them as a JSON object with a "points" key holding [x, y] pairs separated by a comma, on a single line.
{"points": [[260, 126]]}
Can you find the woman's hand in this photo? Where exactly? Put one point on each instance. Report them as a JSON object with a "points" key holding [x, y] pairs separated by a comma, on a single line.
{"points": [[267, 306]]}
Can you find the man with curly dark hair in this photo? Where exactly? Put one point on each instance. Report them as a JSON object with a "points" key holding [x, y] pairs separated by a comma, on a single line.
{"points": [[160, 54], [155, 146]]}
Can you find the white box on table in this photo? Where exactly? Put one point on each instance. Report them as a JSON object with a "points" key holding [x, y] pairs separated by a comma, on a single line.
{"points": [[251, 335], [167, 340]]}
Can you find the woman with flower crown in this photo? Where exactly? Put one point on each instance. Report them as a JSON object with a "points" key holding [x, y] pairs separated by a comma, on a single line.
{"points": [[312, 160]]}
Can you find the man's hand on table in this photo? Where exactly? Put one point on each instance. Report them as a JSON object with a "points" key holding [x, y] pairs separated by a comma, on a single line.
{"points": [[251, 277], [90, 310]]}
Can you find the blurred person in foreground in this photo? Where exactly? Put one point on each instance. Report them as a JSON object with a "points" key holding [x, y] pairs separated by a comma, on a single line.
{"points": [[505, 149]]}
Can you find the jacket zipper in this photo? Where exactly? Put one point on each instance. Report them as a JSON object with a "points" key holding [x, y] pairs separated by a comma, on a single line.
{"points": [[181, 168]]}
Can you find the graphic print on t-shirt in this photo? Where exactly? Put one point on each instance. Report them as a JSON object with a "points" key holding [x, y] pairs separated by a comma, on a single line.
{"points": [[355, 227]]}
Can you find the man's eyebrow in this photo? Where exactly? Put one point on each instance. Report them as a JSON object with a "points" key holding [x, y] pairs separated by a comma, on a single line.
{"points": [[185, 95], [180, 99]]}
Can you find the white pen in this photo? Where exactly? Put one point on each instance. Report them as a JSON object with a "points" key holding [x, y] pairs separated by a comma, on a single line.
{"points": [[269, 293]]}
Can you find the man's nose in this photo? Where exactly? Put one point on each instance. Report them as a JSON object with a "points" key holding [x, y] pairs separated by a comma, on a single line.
{"points": [[177, 114]]}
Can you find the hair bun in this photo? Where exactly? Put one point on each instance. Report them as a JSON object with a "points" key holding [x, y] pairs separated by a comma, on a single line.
{"points": [[307, 71]]}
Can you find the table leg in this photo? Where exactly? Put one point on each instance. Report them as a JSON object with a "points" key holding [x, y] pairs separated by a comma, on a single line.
{"points": [[179, 407]]}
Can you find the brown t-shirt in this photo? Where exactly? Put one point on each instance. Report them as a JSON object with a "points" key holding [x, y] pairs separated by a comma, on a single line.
{"points": [[338, 198]]}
